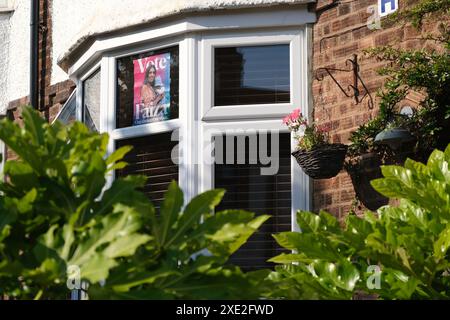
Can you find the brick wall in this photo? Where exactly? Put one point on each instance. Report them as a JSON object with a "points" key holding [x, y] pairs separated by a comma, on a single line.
{"points": [[341, 31]]}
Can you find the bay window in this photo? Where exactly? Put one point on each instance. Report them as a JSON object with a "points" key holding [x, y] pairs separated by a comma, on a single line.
{"points": [[201, 102]]}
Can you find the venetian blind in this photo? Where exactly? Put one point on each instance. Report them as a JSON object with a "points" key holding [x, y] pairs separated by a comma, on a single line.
{"points": [[252, 75], [263, 194], [152, 156]]}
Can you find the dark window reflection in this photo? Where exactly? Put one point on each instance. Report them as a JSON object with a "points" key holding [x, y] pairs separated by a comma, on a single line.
{"points": [[125, 85], [252, 75]]}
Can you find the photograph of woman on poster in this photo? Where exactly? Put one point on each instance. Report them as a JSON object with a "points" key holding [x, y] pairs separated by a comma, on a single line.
{"points": [[151, 89], [152, 93]]}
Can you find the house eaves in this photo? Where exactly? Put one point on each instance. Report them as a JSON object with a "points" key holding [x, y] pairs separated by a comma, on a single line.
{"points": [[116, 19]]}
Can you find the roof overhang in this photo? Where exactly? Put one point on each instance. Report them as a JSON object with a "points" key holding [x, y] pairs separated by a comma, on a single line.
{"points": [[175, 19]]}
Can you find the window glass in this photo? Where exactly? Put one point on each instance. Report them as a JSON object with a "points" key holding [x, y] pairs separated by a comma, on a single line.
{"points": [[251, 75], [68, 113], [91, 101], [249, 190], [147, 87]]}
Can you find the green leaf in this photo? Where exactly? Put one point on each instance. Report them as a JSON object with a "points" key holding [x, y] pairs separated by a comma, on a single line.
{"points": [[200, 205], [121, 191], [442, 244], [6, 217], [312, 246], [143, 278], [122, 223], [69, 238], [342, 274], [125, 246], [307, 221], [170, 211], [34, 124], [287, 258], [118, 154], [97, 268], [26, 203], [21, 174], [118, 166], [232, 235]]}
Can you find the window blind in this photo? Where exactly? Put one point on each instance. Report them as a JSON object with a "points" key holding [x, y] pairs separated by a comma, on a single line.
{"points": [[251, 75], [262, 194], [151, 156]]}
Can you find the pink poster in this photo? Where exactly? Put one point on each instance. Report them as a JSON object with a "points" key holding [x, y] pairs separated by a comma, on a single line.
{"points": [[151, 89]]}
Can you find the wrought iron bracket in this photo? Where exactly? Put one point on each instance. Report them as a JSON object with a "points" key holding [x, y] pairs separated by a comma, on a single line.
{"points": [[353, 90]]}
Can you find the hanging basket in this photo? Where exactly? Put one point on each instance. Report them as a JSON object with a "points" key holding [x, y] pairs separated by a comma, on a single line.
{"points": [[365, 170], [322, 162]]}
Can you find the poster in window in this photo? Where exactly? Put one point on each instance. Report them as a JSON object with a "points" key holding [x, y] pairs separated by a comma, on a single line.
{"points": [[151, 89]]}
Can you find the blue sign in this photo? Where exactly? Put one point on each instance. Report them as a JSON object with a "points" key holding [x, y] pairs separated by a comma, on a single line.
{"points": [[386, 7]]}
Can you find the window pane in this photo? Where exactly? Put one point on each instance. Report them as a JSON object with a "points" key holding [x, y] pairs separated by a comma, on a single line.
{"points": [[68, 112], [147, 87], [248, 189], [91, 101], [252, 75], [152, 156]]}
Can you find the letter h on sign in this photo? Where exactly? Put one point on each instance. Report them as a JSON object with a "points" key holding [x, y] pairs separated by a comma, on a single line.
{"points": [[386, 7]]}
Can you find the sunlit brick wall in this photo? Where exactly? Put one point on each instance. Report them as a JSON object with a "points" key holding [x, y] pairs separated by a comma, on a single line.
{"points": [[341, 31]]}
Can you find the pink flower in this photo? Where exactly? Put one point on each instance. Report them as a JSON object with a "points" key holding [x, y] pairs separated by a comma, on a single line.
{"points": [[296, 114], [286, 120]]}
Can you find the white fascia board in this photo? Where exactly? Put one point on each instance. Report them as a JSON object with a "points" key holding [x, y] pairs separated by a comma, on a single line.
{"points": [[227, 22]]}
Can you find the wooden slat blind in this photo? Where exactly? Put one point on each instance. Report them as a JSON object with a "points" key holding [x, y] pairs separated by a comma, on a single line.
{"points": [[151, 156], [263, 194]]}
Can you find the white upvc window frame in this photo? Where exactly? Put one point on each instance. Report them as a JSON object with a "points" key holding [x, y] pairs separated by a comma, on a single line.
{"points": [[292, 37], [143, 129], [300, 182], [259, 117], [109, 101]]}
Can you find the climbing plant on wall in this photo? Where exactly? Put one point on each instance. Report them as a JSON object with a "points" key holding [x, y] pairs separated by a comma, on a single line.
{"points": [[426, 71]]}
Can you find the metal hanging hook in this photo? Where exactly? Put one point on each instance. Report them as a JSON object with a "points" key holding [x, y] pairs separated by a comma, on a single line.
{"points": [[353, 88]]}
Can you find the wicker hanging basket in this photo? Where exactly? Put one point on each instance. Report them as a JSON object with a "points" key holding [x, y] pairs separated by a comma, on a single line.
{"points": [[366, 169], [322, 162]]}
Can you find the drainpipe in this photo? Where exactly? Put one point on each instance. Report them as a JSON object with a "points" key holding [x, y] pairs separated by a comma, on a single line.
{"points": [[34, 52]]}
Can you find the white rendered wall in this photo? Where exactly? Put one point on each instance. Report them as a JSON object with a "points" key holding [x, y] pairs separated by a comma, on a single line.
{"points": [[69, 16], [4, 60], [16, 60]]}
